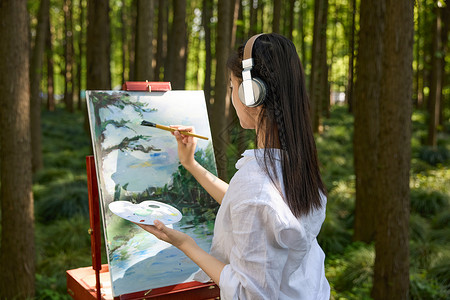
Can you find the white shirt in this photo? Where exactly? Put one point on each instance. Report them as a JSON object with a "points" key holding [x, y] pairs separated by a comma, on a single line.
{"points": [[268, 252]]}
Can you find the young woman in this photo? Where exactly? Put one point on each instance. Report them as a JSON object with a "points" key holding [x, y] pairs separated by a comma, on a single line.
{"points": [[264, 244]]}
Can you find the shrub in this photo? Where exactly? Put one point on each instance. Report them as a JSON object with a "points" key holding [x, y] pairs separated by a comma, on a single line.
{"points": [[63, 200], [428, 202], [358, 267], [434, 155], [422, 288]]}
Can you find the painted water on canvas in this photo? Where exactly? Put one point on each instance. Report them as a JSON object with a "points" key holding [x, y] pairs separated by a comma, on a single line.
{"points": [[137, 163]]}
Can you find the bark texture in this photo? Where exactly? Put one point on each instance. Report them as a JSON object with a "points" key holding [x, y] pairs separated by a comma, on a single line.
{"points": [[219, 124], [17, 253], [36, 64], [391, 272], [144, 38], [366, 110], [98, 46]]}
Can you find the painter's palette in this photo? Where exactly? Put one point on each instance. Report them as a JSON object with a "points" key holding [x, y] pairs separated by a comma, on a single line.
{"points": [[146, 212]]}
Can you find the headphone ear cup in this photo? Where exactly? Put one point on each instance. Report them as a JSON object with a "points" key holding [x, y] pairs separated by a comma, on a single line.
{"points": [[259, 93]]}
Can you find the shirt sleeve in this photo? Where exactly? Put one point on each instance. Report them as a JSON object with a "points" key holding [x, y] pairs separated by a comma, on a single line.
{"points": [[262, 244]]}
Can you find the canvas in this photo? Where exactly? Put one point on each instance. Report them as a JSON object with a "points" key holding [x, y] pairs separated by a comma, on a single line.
{"points": [[137, 163]]}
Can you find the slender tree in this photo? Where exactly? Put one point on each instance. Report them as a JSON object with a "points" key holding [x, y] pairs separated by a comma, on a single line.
{"points": [[49, 51], [366, 110], [206, 21], [17, 252], [219, 124], [276, 16], [233, 22], [319, 74], [98, 40], [418, 58], [36, 64], [68, 55], [161, 48], [178, 46], [291, 14], [391, 271], [350, 79], [131, 42], [301, 25], [144, 38], [445, 51], [253, 17], [98, 46], [324, 83], [434, 99], [79, 58], [124, 40]]}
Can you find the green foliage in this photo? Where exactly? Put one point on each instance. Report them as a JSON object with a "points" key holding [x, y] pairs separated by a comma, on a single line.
{"points": [[336, 232], [350, 274], [61, 245], [63, 200], [422, 287], [428, 202], [434, 155]]}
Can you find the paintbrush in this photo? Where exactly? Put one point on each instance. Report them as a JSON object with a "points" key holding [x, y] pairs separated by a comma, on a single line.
{"points": [[167, 128]]}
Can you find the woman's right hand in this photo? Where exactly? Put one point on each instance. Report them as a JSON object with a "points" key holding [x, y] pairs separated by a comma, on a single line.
{"points": [[186, 145]]}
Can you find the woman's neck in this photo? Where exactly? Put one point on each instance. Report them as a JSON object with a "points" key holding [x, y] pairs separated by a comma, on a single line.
{"points": [[261, 138]]}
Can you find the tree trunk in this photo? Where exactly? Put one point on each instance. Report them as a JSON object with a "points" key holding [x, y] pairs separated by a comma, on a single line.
{"points": [[35, 82], [68, 56], [240, 30], [391, 271], [325, 85], [445, 47], [176, 72], [98, 46], [79, 59], [131, 45], [98, 40], [349, 90], [260, 17], [219, 124], [144, 38], [301, 25], [17, 252], [434, 99], [418, 76], [161, 48], [291, 19], [234, 17], [276, 16], [319, 52], [206, 17], [366, 110], [253, 18], [49, 50]]}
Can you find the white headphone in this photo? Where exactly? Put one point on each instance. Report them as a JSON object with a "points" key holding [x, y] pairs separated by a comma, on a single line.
{"points": [[252, 91]]}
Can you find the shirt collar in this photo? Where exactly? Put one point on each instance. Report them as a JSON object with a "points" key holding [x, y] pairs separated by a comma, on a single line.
{"points": [[251, 154]]}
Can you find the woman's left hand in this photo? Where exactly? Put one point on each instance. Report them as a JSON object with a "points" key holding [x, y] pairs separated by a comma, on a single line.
{"points": [[169, 235]]}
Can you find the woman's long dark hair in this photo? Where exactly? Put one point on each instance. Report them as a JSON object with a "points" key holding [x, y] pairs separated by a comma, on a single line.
{"points": [[285, 120]]}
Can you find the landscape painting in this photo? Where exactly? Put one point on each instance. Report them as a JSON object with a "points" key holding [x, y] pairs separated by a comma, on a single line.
{"points": [[137, 163]]}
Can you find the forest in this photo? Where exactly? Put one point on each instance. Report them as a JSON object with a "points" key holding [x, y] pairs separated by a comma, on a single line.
{"points": [[378, 79]]}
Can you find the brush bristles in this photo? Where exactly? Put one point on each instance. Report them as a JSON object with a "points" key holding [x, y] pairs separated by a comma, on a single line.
{"points": [[146, 123]]}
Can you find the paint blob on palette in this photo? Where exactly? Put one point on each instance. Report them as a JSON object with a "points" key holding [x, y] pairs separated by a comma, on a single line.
{"points": [[146, 212]]}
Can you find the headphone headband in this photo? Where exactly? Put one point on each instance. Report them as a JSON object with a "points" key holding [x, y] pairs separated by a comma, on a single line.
{"points": [[252, 90], [249, 46]]}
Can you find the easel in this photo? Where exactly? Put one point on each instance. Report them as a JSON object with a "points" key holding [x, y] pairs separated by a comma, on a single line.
{"points": [[80, 281]]}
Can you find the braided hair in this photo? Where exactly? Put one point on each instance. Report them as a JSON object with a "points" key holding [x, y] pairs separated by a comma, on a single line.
{"points": [[285, 121]]}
